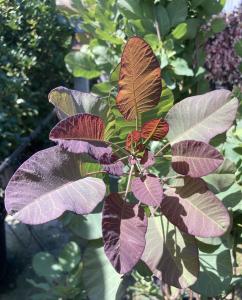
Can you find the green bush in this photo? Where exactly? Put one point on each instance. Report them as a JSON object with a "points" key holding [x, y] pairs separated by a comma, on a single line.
{"points": [[34, 40]]}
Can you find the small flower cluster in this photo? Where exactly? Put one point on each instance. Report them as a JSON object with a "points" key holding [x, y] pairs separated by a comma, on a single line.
{"points": [[222, 62]]}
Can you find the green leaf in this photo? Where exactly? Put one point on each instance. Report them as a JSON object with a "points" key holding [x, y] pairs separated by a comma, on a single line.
{"points": [[215, 272], [238, 47], [222, 178], [70, 256], [218, 25], [87, 227], [196, 3], [131, 9], [232, 197], [177, 11], [181, 67], [44, 264], [162, 19], [80, 64], [102, 88], [180, 31], [192, 28], [100, 278], [170, 254], [114, 76]]}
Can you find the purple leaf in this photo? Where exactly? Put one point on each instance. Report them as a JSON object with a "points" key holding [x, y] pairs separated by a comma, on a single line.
{"points": [[70, 102], [115, 168], [170, 254], [124, 227], [201, 117], [148, 189], [195, 210], [195, 158], [148, 159], [49, 183]]}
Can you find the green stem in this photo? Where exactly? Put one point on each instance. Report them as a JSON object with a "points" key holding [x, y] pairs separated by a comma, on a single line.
{"points": [[129, 182], [162, 149]]}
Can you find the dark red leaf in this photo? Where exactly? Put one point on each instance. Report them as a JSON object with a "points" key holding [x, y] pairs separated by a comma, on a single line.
{"points": [[124, 227], [132, 138]]}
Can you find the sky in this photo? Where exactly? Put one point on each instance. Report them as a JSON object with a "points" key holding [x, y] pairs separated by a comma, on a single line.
{"points": [[231, 4]]}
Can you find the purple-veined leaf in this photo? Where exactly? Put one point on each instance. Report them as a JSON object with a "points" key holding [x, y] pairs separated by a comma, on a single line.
{"points": [[170, 254], [70, 102], [195, 210], [49, 183], [148, 189], [201, 117], [195, 158], [124, 227], [111, 164]]}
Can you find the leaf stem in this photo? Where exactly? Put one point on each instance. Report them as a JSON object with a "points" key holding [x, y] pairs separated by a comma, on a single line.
{"points": [[129, 182], [94, 173], [162, 149]]}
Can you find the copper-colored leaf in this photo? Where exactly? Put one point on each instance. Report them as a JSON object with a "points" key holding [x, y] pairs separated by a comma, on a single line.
{"points": [[155, 129], [139, 79], [79, 127], [132, 138]]}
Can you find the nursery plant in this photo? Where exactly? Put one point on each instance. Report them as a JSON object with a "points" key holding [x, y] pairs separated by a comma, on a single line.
{"points": [[146, 216]]}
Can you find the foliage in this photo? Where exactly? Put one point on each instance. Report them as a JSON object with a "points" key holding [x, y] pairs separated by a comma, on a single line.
{"points": [[224, 50], [159, 210], [61, 277], [172, 28], [32, 35]]}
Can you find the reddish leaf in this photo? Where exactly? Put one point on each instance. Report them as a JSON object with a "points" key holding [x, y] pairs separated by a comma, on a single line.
{"points": [[155, 129], [131, 139], [83, 127], [139, 79], [82, 133], [148, 189], [195, 158], [195, 210], [124, 227]]}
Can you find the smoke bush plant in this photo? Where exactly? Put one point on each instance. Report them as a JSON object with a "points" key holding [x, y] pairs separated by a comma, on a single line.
{"points": [[223, 51], [153, 219]]}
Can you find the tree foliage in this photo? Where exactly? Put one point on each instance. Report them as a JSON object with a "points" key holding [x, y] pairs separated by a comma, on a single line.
{"points": [[33, 45]]}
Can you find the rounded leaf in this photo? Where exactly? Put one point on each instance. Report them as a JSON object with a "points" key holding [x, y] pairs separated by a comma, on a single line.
{"points": [[48, 184], [201, 117], [148, 189], [195, 158], [170, 254], [124, 227], [195, 210]]}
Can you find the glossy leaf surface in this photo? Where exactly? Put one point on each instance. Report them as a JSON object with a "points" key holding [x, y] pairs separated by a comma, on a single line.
{"points": [[195, 210], [148, 189], [124, 227], [139, 80], [48, 184], [195, 158], [201, 117], [170, 254]]}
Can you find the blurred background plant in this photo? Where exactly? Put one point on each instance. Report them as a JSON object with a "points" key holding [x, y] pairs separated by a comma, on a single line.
{"points": [[34, 41]]}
